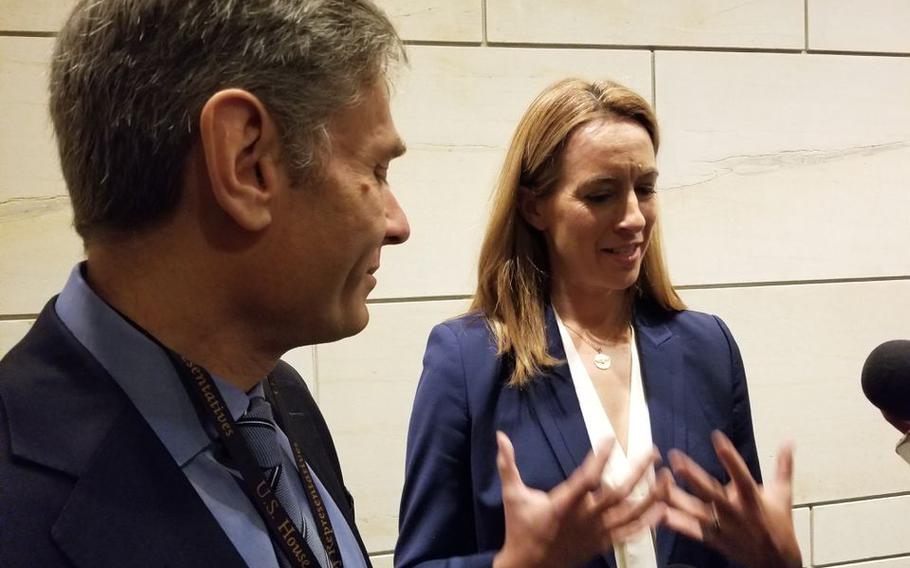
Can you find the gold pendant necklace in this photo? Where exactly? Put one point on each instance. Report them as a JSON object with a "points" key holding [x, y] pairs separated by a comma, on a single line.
{"points": [[601, 360]]}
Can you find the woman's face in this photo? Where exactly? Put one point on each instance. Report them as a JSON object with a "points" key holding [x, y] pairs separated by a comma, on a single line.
{"points": [[598, 220]]}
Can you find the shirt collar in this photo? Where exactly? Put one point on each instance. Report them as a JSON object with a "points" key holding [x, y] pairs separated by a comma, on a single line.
{"points": [[142, 369]]}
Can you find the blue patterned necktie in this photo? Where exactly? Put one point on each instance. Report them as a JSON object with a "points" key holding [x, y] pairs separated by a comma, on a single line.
{"points": [[258, 428]]}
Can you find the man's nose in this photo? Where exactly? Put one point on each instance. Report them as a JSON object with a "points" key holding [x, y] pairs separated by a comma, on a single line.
{"points": [[397, 227]]}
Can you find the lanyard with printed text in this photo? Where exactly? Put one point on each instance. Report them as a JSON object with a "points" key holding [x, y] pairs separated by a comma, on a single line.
{"points": [[214, 411]]}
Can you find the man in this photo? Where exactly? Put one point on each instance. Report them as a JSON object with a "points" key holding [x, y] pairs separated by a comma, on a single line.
{"points": [[226, 163]]}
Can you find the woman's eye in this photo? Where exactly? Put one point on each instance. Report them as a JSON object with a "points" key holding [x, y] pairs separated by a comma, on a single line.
{"points": [[645, 190], [597, 197]]}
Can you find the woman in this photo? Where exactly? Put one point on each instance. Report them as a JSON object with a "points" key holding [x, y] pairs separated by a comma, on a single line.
{"points": [[575, 336]]}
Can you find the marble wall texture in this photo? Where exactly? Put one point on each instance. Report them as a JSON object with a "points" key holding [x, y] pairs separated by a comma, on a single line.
{"points": [[785, 209]]}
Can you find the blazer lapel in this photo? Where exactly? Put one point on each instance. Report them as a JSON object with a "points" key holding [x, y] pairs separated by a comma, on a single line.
{"points": [[660, 356], [552, 397]]}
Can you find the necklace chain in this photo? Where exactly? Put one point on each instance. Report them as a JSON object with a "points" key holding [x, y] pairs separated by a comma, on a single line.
{"points": [[601, 360], [595, 346]]}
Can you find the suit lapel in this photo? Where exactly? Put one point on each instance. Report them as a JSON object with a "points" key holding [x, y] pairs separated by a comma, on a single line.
{"points": [[134, 507], [130, 504], [303, 424], [660, 356], [299, 425]]}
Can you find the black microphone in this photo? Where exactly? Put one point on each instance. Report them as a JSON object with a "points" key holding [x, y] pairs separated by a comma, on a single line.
{"points": [[886, 378]]}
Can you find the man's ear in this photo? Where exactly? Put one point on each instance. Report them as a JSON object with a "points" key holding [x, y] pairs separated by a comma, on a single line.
{"points": [[240, 143], [530, 207]]}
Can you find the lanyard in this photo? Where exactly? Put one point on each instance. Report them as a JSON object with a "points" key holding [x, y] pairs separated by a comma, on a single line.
{"points": [[214, 412]]}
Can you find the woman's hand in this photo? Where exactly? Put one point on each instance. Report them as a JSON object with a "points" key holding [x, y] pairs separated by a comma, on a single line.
{"points": [[748, 523], [577, 519]]}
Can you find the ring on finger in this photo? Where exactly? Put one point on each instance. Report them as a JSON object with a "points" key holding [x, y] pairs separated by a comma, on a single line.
{"points": [[715, 521]]}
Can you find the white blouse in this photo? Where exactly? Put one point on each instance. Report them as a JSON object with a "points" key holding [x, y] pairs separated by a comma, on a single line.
{"points": [[638, 551]]}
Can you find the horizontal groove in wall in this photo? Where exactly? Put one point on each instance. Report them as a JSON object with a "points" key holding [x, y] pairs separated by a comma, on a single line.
{"points": [[10, 33], [18, 317], [443, 43], [414, 299], [849, 500], [862, 560], [808, 282], [605, 46], [659, 48], [722, 285], [855, 53], [644, 47]]}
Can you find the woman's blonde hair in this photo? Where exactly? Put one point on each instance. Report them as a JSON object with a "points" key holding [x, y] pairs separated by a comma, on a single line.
{"points": [[513, 284]]}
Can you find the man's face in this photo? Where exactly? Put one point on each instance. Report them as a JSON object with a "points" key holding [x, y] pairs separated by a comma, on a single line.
{"points": [[333, 229]]}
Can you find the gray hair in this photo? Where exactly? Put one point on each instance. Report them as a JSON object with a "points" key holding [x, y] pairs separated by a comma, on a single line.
{"points": [[130, 77]]}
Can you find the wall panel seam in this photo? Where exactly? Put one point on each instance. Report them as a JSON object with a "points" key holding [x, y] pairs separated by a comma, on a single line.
{"points": [[483, 23], [806, 25], [851, 500], [15, 33], [701, 286], [855, 561], [18, 317]]}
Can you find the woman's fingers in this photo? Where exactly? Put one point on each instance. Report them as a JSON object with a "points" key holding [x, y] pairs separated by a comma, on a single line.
{"points": [[701, 483], [505, 462], [683, 523], [632, 519], [784, 475], [584, 480], [639, 469], [737, 469], [629, 511], [644, 523], [678, 499], [611, 496]]}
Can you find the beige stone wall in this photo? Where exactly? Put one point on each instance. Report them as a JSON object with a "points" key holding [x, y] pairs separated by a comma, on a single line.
{"points": [[785, 203]]}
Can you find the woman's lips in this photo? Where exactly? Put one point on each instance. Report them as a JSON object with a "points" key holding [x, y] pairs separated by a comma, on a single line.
{"points": [[626, 254]]}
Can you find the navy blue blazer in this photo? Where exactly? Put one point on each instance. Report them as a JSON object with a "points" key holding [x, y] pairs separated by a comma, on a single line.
{"points": [[84, 481], [451, 507]]}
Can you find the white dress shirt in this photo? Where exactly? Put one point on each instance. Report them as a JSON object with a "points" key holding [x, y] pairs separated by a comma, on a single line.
{"points": [[638, 551]]}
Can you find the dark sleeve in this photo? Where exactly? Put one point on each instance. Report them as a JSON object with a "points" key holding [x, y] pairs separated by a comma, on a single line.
{"points": [[740, 429], [436, 523]]}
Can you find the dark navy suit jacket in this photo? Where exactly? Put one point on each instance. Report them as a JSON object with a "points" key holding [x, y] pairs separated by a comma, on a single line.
{"points": [[85, 482], [451, 508]]}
